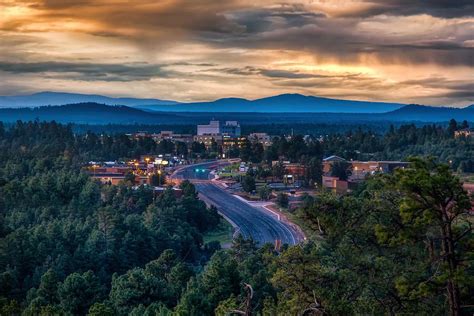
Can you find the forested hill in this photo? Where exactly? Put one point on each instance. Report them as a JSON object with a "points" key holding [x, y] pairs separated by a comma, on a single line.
{"points": [[94, 113], [86, 113], [73, 246], [414, 112], [68, 243]]}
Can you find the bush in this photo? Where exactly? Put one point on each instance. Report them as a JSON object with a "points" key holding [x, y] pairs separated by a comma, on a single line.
{"points": [[282, 200]]}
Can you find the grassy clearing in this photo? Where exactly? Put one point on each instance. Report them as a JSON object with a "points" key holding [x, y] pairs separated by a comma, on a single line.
{"points": [[222, 233]]}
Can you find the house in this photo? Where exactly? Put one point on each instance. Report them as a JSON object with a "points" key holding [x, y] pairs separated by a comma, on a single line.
{"points": [[329, 161], [295, 169], [335, 185], [261, 138], [360, 169], [116, 178], [139, 134], [177, 192], [465, 132], [171, 136]]}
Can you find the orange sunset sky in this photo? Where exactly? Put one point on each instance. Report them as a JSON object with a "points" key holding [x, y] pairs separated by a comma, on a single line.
{"points": [[409, 51]]}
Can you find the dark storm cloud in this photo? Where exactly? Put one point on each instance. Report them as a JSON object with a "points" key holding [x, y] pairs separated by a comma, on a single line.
{"points": [[301, 79], [88, 71], [341, 39], [462, 95], [354, 82], [437, 8], [458, 89], [270, 73], [256, 20], [288, 74], [441, 82]]}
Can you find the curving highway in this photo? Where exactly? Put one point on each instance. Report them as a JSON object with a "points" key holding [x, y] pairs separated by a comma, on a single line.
{"points": [[250, 221]]}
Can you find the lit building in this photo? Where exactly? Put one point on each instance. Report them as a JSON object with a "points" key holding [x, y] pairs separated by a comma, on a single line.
{"points": [[465, 132], [335, 185], [360, 169], [228, 142], [170, 135], [261, 138], [230, 128], [208, 140]]}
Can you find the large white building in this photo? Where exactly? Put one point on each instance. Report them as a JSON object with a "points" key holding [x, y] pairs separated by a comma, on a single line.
{"points": [[229, 128]]}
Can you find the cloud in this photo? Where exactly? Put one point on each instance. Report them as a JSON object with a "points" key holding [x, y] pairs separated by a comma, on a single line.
{"points": [[455, 89], [368, 30], [383, 39], [88, 71], [437, 8], [194, 49]]}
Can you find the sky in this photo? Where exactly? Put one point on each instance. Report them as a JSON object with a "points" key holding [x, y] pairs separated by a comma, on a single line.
{"points": [[409, 51]]}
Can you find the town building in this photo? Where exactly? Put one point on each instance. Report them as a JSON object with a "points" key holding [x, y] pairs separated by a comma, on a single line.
{"points": [[465, 132], [335, 184], [140, 170], [360, 169], [171, 136], [229, 128], [116, 178], [261, 138], [139, 134], [329, 161], [295, 169], [208, 140], [229, 142], [357, 171]]}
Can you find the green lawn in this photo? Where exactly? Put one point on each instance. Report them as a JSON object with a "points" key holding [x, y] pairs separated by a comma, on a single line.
{"points": [[222, 234]]}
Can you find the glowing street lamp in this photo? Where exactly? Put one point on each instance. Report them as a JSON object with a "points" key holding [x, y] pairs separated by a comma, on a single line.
{"points": [[159, 177]]}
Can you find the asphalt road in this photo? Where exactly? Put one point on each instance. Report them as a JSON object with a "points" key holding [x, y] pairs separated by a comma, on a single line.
{"points": [[251, 221]]}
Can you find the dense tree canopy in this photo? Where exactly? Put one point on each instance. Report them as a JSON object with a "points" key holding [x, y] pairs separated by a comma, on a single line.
{"points": [[401, 244], [68, 242]]}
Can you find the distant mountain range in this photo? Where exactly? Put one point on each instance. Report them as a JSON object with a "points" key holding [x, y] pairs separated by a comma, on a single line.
{"points": [[295, 103], [94, 113], [292, 103], [60, 98]]}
